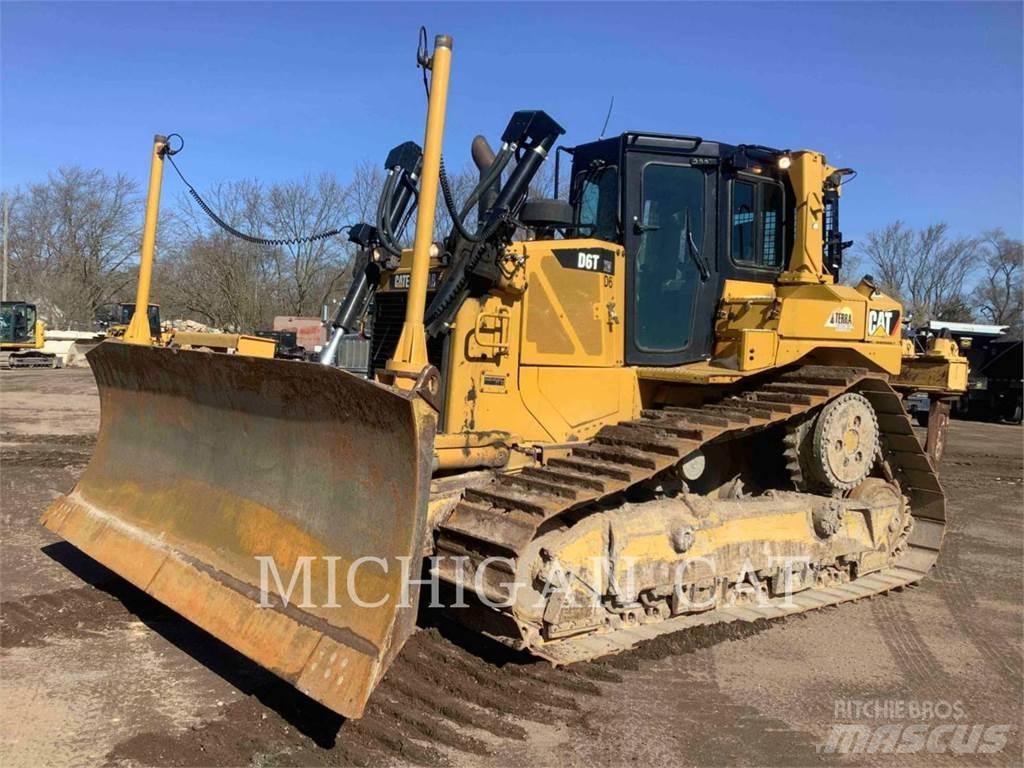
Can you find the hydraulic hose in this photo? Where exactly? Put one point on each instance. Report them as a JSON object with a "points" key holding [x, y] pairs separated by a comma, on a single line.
{"points": [[458, 217]]}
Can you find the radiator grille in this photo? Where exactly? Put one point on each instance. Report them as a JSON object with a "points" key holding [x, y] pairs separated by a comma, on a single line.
{"points": [[388, 315]]}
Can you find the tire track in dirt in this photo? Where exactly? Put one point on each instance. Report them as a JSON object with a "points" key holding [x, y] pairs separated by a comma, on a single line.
{"points": [[448, 690], [451, 691], [75, 612], [51, 452], [448, 693], [922, 670], [899, 630], [956, 586], [437, 696], [696, 719], [960, 599], [50, 459], [46, 439]]}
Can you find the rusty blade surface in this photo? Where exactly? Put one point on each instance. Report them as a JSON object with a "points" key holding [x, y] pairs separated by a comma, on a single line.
{"points": [[207, 462]]}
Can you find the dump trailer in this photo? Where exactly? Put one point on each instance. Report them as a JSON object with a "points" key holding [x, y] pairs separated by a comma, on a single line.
{"points": [[22, 336], [659, 409]]}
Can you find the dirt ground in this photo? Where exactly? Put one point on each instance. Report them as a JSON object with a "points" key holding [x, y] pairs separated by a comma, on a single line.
{"points": [[93, 672]]}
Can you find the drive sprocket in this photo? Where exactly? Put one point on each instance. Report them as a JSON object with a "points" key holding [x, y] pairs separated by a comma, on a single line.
{"points": [[834, 450]]}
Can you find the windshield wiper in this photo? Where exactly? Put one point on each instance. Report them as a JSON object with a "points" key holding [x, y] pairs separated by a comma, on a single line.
{"points": [[691, 248]]}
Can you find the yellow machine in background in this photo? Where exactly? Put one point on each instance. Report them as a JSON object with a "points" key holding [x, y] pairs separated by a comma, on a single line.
{"points": [[22, 336], [243, 344], [118, 317], [618, 427]]}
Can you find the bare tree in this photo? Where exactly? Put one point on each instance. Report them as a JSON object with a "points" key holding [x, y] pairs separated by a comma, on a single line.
{"points": [[368, 181], [926, 269], [307, 270], [543, 184], [364, 191], [210, 275], [228, 281], [999, 294], [362, 195], [74, 243]]}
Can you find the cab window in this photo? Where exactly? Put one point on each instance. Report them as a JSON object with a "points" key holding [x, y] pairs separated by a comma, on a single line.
{"points": [[771, 226], [597, 207], [743, 204], [17, 322], [756, 232], [671, 231]]}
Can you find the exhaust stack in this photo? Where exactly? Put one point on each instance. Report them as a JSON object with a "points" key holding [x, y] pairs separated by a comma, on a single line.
{"points": [[483, 158]]}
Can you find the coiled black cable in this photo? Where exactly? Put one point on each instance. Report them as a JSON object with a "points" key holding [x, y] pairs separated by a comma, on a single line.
{"points": [[242, 235], [453, 209]]}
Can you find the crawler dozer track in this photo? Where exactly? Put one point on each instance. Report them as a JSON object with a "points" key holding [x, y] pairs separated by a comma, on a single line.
{"points": [[502, 519], [32, 359]]}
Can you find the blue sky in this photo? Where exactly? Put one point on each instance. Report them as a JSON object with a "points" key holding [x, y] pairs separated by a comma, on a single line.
{"points": [[924, 100]]}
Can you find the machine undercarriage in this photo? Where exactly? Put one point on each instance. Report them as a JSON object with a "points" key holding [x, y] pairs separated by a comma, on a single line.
{"points": [[31, 359], [613, 544]]}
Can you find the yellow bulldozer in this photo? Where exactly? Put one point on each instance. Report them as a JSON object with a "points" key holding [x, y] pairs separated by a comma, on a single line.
{"points": [[584, 422]]}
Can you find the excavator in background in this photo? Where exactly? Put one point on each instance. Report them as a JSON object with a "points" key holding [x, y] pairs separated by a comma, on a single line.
{"points": [[22, 336], [620, 426]]}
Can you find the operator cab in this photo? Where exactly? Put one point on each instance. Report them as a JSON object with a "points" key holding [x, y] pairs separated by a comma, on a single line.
{"points": [[119, 316], [690, 214], [127, 311], [17, 322]]}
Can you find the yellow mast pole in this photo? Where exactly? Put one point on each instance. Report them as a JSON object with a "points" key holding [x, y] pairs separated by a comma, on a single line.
{"points": [[807, 174], [411, 353], [138, 330]]}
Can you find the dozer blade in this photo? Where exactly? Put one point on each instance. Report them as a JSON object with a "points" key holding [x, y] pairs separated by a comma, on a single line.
{"points": [[214, 473]]}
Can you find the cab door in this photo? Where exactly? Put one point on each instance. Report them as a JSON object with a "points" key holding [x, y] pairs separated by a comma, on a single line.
{"points": [[671, 268]]}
